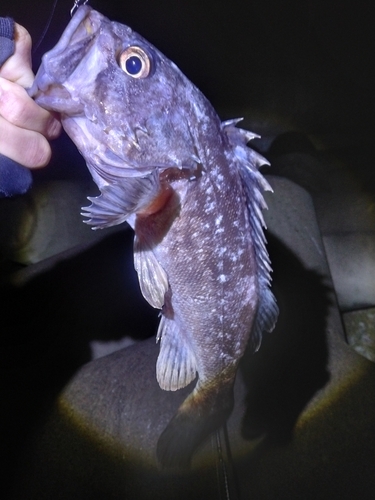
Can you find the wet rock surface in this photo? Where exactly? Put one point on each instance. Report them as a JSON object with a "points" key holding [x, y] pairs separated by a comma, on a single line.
{"points": [[360, 330], [351, 257]]}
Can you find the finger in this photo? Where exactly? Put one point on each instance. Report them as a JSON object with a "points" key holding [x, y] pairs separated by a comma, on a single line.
{"points": [[20, 110], [26, 147], [18, 67]]}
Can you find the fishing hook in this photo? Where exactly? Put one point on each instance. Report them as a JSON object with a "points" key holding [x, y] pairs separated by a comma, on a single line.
{"points": [[77, 3]]}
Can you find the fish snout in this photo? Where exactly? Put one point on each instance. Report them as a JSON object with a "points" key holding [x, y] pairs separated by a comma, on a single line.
{"points": [[50, 88]]}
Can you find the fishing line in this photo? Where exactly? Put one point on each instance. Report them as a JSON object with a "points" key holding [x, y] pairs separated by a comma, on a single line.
{"points": [[77, 3], [46, 26], [226, 477], [222, 477], [231, 472]]}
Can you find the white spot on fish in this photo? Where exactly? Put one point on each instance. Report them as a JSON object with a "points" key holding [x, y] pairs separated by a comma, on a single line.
{"points": [[222, 278], [222, 251], [218, 220]]}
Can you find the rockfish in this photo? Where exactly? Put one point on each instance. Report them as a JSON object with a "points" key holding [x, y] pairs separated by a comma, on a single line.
{"points": [[190, 188]]}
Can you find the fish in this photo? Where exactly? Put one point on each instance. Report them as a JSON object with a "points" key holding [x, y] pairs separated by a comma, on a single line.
{"points": [[190, 188]]}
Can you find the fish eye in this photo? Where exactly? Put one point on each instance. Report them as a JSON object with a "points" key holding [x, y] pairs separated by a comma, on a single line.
{"points": [[135, 62]]}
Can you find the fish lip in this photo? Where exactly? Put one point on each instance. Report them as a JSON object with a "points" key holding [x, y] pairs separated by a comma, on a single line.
{"points": [[43, 77], [47, 89], [71, 30], [57, 98]]}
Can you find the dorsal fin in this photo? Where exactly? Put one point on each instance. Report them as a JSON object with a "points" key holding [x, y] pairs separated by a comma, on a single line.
{"points": [[248, 163]]}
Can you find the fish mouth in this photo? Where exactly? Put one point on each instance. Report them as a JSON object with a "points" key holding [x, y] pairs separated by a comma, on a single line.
{"points": [[58, 64]]}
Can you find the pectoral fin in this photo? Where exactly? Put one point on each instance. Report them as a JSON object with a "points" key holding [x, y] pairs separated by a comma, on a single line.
{"points": [[118, 201]]}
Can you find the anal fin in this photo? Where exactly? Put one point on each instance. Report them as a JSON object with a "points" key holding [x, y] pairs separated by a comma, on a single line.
{"points": [[176, 365], [152, 277]]}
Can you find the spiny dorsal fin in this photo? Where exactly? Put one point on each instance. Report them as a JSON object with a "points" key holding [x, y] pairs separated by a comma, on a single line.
{"points": [[248, 163]]}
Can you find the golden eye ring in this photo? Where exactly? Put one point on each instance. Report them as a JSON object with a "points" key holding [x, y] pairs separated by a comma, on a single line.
{"points": [[135, 62]]}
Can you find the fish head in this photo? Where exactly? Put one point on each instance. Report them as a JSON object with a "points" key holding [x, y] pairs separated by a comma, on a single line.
{"points": [[126, 106]]}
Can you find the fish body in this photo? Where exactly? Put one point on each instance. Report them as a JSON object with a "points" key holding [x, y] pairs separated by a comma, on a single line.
{"points": [[191, 190]]}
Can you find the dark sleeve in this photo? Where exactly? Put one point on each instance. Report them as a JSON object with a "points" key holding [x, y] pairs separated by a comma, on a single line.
{"points": [[14, 178], [6, 38]]}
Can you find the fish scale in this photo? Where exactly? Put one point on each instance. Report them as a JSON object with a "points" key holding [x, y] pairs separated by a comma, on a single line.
{"points": [[190, 188]]}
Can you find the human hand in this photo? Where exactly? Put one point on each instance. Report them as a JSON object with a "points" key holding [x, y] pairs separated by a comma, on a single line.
{"points": [[25, 127]]}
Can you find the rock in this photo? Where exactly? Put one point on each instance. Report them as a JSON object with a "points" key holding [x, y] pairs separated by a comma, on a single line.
{"points": [[345, 211], [100, 348], [360, 331], [351, 258], [46, 221]]}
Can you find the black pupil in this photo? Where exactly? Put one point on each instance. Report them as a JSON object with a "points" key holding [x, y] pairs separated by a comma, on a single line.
{"points": [[133, 65]]}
